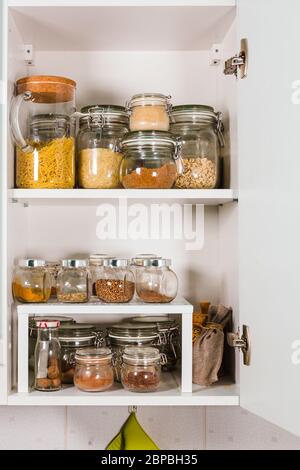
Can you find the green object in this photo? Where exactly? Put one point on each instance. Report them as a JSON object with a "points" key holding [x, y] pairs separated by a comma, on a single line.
{"points": [[132, 437]]}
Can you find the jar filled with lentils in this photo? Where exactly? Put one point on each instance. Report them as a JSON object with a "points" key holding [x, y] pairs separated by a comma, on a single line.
{"points": [[200, 130], [95, 265], [115, 281]]}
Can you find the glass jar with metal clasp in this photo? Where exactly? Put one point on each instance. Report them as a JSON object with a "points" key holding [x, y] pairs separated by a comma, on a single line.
{"points": [[169, 338], [125, 334], [149, 111]]}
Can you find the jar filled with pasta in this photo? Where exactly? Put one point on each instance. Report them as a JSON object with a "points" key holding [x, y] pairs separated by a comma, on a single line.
{"points": [[102, 128], [43, 127]]}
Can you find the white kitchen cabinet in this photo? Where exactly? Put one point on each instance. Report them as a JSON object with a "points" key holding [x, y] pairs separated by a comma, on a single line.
{"points": [[248, 257]]}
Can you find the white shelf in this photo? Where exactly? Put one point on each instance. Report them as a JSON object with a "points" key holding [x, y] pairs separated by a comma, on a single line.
{"points": [[200, 196], [169, 394]]}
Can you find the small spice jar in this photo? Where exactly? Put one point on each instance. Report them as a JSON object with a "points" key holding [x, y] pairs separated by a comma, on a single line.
{"points": [[169, 338], [121, 335], [102, 128], [31, 281], [71, 338], [73, 281], [200, 129], [47, 368], [151, 160], [95, 263], [149, 111], [53, 268], [155, 281], [115, 283], [141, 368], [93, 371]]}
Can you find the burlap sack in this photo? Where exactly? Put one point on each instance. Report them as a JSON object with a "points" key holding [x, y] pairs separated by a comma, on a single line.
{"points": [[208, 348]]}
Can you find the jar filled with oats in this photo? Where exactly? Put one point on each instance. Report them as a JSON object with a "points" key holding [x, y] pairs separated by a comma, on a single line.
{"points": [[102, 128], [201, 132]]}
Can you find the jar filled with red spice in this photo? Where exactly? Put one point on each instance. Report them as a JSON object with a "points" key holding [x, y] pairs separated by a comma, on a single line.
{"points": [[155, 281], [93, 370], [151, 160], [141, 369]]}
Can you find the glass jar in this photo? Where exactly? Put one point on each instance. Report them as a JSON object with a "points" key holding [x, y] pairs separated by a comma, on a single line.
{"points": [[93, 370], [169, 338], [155, 281], [95, 263], [121, 335], [141, 368], [47, 368], [33, 332], [200, 130], [44, 131], [137, 261], [102, 128], [149, 111], [31, 281], [53, 268], [115, 283], [71, 338], [151, 160], [73, 281]]}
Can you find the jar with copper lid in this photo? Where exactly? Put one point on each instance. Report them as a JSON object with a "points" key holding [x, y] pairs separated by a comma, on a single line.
{"points": [[93, 370], [43, 128]]}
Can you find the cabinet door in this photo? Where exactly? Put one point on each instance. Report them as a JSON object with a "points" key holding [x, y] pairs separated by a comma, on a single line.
{"points": [[3, 173], [269, 209]]}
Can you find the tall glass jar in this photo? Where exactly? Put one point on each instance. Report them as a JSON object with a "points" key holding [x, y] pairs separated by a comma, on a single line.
{"points": [[43, 128], [93, 371], [73, 337], [73, 281], [151, 160], [116, 283], [47, 368], [102, 128], [129, 334], [141, 368], [53, 268], [149, 111], [31, 281], [200, 130], [155, 281], [95, 265]]}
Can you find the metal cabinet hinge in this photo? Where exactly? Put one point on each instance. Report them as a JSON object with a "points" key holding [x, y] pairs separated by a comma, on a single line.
{"points": [[242, 343], [238, 63]]}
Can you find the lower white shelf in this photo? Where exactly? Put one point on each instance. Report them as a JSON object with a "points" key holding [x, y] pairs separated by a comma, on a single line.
{"points": [[223, 393]]}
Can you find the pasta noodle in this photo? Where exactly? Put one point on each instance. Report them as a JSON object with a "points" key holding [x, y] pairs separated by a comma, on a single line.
{"points": [[50, 165]]}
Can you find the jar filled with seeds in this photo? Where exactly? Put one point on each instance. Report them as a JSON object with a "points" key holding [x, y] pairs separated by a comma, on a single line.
{"points": [[73, 281], [200, 129], [95, 264], [115, 283]]}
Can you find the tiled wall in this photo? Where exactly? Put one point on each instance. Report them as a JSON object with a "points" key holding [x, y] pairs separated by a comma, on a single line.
{"points": [[171, 428]]}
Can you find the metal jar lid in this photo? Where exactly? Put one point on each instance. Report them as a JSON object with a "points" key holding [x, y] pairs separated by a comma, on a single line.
{"points": [[141, 355], [155, 262], [116, 263], [104, 114], [164, 323], [78, 335], [97, 258], [138, 259], [32, 263], [149, 139], [74, 263], [48, 323], [149, 99], [93, 355], [133, 331], [46, 121]]}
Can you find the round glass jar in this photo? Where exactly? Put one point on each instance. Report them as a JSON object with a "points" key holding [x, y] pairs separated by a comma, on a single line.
{"points": [[31, 281], [93, 370], [47, 368], [169, 338], [43, 128], [73, 281], [137, 261], [71, 338], [155, 281], [151, 160], [121, 335], [149, 111], [102, 128], [141, 368], [116, 283], [201, 132], [95, 263]]}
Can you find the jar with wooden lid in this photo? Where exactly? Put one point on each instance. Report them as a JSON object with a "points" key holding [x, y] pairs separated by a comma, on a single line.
{"points": [[73, 281], [47, 367], [31, 281], [43, 128], [149, 111], [93, 370], [200, 129], [141, 369], [151, 160], [115, 281], [155, 281], [102, 128]]}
